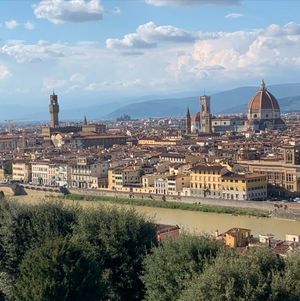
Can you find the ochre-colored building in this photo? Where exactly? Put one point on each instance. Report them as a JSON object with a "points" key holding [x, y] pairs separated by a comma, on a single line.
{"points": [[206, 180], [244, 186], [237, 237], [21, 171]]}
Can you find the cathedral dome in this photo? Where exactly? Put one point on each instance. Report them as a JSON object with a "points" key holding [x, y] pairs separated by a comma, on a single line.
{"points": [[264, 111], [196, 117], [263, 101]]}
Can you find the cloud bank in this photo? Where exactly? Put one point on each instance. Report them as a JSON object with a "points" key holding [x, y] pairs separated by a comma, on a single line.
{"points": [[61, 11], [149, 35]]}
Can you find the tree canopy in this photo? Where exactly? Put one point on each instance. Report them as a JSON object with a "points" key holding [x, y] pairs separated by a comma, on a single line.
{"points": [[170, 267], [60, 270], [121, 238]]}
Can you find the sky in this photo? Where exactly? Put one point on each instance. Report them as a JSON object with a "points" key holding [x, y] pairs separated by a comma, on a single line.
{"points": [[96, 51]]}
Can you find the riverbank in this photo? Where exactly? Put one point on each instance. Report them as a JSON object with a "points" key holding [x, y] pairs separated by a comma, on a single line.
{"points": [[170, 205]]}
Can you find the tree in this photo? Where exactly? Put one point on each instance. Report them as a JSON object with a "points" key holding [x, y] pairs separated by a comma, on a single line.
{"points": [[236, 277], [122, 238], [286, 283], [59, 270], [25, 226], [174, 263]]}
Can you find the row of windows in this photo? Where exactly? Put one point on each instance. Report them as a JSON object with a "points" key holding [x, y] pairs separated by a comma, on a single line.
{"points": [[204, 172], [214, 179]]}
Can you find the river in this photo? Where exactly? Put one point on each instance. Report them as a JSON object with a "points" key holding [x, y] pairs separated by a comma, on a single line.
{"points": [[203, 222]]}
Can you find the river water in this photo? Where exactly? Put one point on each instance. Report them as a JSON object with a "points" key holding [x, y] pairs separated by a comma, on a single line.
{"points": [[203, 222]]}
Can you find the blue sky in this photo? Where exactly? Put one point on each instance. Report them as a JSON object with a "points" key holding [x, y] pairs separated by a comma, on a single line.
{"points": [[93, 51]]}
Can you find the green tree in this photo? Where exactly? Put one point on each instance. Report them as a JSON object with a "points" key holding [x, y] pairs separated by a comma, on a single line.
{"points": [[122, 238], [172, 265], [236, 277], [23, 227], [59, 270], [286, 283]]}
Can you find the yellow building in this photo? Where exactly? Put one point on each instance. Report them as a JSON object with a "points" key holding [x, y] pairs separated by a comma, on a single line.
{"points": [[176, 183], [119, 177], [205, 181], [2, 174], [244, 186], [237, 237], [21, 171]]}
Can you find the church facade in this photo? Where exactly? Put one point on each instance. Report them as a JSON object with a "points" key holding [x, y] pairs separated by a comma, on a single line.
{"points": [[263, 114]]}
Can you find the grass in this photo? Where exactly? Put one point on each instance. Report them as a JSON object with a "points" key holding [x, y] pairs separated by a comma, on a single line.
{"points": [[170, 205]]}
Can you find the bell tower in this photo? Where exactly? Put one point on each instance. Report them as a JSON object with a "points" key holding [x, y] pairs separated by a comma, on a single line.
{"points": [[188, 122], [205, 114], [54, 110]]}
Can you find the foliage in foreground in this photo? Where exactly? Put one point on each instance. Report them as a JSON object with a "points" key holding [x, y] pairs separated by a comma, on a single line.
{"points": [[121, 240], [239, 277], [25, 226], [60, 270], [171, 266], [54, 252]]}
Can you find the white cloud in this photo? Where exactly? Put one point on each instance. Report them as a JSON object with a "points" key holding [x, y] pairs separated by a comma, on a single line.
{"points": [[60, 11], [11, 24], [4, 72], [219, 58], [29, 25], [73, 82], [149, 35], [35, 52], [191, 2], [244, 54], [233, 16]]}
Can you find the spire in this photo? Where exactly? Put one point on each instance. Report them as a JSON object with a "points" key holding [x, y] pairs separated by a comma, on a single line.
{"points": [[262, 86], [85, 120], [188, 112]]}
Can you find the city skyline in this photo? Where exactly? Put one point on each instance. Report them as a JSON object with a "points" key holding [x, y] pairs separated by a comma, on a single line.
{"points": [[102, 50]]}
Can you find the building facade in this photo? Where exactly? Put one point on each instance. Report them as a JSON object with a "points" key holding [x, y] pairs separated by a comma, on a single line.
{"points": [[21, 171]]}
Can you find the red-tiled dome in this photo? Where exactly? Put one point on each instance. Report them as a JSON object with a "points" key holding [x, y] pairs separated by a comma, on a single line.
{"points": [[196, 117], [263, 100]]}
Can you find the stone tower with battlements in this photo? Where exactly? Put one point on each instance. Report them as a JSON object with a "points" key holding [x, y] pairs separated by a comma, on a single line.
{"points": [[206, 116], [54, 110]]}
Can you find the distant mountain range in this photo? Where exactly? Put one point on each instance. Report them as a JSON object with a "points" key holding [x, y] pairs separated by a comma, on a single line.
{"points": [[226, 102], [230, 101]]}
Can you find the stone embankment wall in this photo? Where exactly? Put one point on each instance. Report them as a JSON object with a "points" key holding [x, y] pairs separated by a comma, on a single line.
{"points": [[266, 206], [277, 209]]}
